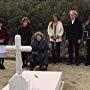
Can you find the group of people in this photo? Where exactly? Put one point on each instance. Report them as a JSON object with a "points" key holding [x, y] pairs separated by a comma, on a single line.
{"points": [[74, 33], [40, 47]]}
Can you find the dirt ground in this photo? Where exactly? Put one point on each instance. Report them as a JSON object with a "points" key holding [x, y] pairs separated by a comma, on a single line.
{"points": [[75, 77]]}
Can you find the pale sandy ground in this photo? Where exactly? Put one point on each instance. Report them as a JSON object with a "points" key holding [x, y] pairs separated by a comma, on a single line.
{"points": [[75, 77]]}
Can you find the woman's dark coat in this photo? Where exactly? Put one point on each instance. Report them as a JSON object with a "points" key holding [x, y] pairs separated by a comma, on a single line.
{"points": [[26, 35], [40, 52], [4, 34]]}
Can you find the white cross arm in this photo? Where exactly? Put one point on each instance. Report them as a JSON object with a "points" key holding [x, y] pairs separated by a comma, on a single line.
{"points": [[10, 48], [22, 48], [26, 48]]}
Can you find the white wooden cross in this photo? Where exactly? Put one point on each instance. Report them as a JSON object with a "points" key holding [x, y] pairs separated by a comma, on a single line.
{"points": [[18, 48]]}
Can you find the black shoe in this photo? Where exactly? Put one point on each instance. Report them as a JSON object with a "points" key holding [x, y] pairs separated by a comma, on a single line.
{"points": [[77, 64], [31, 68], [86, 64], [23, 66], [2, 67], [70, 63], [44, 68]]}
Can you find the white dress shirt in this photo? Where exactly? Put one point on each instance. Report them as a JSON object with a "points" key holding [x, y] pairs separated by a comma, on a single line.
{"points": [[73, 21]]}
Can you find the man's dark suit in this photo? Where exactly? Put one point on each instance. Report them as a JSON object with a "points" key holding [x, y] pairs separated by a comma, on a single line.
{"points": [[73, 34]]}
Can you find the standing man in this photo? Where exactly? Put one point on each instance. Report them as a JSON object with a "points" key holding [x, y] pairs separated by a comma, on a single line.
{"points": [[73, 36], [26, 34]]}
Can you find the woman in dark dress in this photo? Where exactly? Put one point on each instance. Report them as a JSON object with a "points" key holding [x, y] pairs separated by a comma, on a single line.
{"points": [[39, 52], [4, 37], [25, 31]]}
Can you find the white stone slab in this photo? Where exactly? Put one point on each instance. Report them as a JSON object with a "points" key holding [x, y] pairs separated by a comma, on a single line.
{"points": [[42, 80], [18, 82], [6, 87]]}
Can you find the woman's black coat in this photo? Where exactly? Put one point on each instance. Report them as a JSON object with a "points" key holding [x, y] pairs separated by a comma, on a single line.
{"points": [[26, 35], [40, 52]]}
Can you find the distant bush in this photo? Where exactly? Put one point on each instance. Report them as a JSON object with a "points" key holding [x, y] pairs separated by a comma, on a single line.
{"points": [[40, 11]]}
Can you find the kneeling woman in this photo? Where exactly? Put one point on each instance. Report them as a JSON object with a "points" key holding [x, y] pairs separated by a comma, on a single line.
{"points": [[39, 52]]}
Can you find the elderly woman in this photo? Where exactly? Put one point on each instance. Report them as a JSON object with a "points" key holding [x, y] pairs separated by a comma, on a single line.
{"points": [[25, 31], [4, 37], [39, 52]]}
